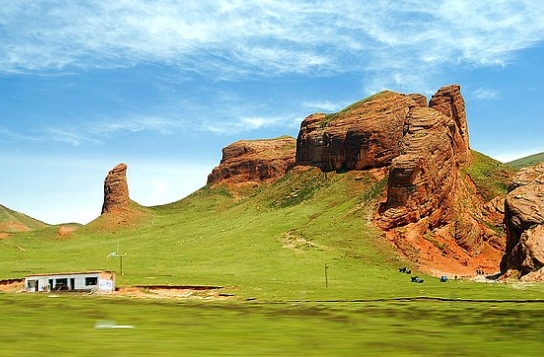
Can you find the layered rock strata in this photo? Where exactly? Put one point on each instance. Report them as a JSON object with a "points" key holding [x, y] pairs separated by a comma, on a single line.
{"points": [[116, 197], [424, 178], [524, 219], [367, 134], [425, 148], [254, 161]]}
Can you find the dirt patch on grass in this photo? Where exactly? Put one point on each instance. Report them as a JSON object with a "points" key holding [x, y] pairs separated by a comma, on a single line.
{"points": [[173, 292], [13, 226], [12, 285], [292, 240], [66, 231]]}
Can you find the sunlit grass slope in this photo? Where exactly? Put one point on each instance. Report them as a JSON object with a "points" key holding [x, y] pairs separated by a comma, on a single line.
{"points": [[527, 161], [279, 238], [13, 221], [491, 176], [306, 237]]}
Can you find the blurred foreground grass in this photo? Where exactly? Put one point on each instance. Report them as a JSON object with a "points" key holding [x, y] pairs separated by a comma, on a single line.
{"points": [[64, 325]]}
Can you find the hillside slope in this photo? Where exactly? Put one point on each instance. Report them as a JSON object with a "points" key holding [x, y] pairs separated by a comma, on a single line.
{"points": [[279, 236], [527, 161], [12, 221]]}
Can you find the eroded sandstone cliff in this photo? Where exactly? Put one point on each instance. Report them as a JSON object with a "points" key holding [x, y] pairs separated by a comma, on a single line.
{"points": [[366, 134], [254, 161], [524, 219], [116, 196], [431, 211]]}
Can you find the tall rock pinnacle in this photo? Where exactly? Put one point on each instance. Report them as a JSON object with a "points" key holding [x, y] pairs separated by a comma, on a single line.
{"points": [[116, 190]]}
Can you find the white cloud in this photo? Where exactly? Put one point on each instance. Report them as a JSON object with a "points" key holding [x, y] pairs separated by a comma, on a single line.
{"points": [[134, 124], [485, 94], [229, 39], [325, 106], [244, 124], [8, 136]]}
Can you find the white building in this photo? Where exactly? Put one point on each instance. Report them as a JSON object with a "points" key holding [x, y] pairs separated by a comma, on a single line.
{"points": [[101, 281]]}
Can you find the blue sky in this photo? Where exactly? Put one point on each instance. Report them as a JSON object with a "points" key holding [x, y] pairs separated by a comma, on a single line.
{"points": [[164, 85]]}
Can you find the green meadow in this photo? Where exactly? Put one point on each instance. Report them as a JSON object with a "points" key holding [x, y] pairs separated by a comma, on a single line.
{"points": [[303, 273]]}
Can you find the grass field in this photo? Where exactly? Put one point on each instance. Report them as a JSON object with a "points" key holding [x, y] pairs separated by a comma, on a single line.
{"points": [[527, 161], [306, 272], [67, 326]]}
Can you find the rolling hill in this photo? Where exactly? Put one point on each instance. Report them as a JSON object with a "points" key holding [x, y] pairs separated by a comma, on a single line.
{"points": [[280, 216], [273, 240], [12, 221], [527, 161]]}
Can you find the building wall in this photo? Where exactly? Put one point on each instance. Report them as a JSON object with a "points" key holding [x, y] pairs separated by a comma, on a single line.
{"points": [[100, 281]]}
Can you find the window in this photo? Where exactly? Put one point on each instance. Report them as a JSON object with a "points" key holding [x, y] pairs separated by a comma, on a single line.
{"points": [[61, 283], [91, 281]]}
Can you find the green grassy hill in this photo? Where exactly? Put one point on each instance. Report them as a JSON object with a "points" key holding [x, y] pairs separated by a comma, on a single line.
{"points": [[274, 242], [277, 239], [12, 221], [305, 271], [527, 161]]}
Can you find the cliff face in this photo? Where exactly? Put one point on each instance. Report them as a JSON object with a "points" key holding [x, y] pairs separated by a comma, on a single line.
{"points": [[524, 219], [431, 211], [254, 161], [367, 134], [424, 178], [425, 149], [116, 196], [428, 195]]}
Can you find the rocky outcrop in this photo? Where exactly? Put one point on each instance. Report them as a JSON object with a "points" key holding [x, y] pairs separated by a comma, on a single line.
{"points": [[430, 197], [254, 161], [425, 147], [449, 101], [424, 179], [367, 134], [524, 219], [116, 196]]}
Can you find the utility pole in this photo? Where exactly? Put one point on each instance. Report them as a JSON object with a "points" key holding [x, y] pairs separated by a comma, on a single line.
{"points": [[120, 256], [326, 277]]}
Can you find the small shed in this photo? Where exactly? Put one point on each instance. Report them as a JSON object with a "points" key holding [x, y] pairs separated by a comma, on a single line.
{"points": [[101, 281]]}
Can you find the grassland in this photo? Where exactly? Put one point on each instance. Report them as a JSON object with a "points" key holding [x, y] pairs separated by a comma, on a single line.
{"points": [[66, 326], [491, 177], [12, 221], [269, 249], [527, 161]]}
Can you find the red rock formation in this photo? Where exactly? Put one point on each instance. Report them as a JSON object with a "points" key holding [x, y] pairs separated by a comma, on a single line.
{"points": [[449, 101], [367, 134], [116, 190], [428, 195], [423, 180], [524, 219], [424, 147], [254, 161]]}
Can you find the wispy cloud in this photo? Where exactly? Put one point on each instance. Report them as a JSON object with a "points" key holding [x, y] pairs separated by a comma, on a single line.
{"points": [[99, 130], [325, 106], [485, 94], [8, 136], [228, 39], [134, 124], [245, 124]]}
